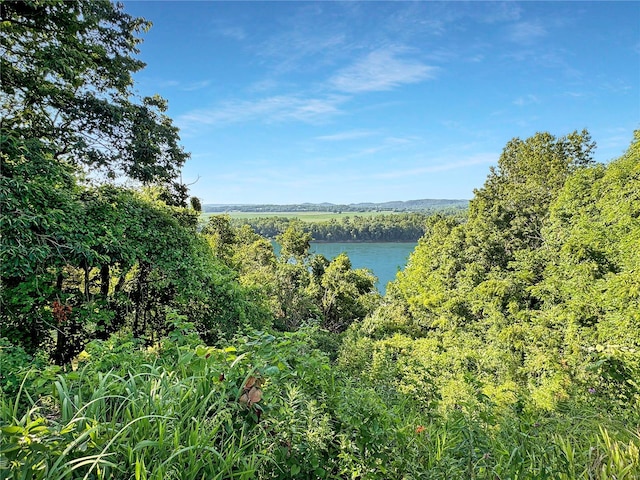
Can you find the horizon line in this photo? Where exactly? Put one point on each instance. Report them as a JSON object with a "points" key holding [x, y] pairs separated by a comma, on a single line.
{"points": [[346, 204]]}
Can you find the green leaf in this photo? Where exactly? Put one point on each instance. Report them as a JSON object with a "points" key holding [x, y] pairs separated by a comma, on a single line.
{"points": [[12, 430]]}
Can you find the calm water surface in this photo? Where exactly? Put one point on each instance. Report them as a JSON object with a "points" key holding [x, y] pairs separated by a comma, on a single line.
{"points": [[383, 259]]}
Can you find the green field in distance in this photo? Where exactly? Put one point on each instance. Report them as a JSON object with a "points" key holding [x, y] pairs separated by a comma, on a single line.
{"points": [[303, 216]]}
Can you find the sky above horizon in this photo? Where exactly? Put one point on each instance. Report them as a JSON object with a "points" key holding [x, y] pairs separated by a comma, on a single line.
{"points": [[346, 102]]}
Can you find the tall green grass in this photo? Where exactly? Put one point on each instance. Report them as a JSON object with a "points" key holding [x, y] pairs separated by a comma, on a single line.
{"points": [[172, 412], [154, 423]]}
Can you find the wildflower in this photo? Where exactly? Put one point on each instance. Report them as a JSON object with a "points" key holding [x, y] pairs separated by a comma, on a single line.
{"points": [[592, 390], [420, 429]]}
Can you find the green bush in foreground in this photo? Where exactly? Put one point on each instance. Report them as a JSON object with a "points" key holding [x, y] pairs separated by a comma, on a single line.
{"points": [[175, 411]]}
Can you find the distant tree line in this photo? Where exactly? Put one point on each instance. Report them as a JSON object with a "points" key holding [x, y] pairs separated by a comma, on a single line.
{"points": [[396, 206], [399, 227]]}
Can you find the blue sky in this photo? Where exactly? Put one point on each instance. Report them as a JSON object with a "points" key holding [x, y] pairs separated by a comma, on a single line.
{"points": [[291, 102]]}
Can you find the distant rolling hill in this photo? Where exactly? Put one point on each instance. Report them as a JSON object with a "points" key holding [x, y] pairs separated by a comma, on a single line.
{"points": [[394, 206]]}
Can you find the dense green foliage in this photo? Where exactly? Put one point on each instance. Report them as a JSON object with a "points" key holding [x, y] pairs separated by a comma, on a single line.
{"points": [[82, 260], [518, 368], [136, 343], [532, 304], [299, 287], [67, 82], [175, 411]]}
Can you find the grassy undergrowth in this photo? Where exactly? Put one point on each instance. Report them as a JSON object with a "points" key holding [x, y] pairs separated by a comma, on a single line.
{"points": [[175, 411]]}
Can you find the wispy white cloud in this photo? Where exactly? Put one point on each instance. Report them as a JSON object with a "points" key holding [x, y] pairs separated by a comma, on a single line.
{"points": [[348, 135], [236, 33], [301, 47], [546, 58], [407, 19], [526, 100], [192, 86], [616, 86], [168, 83], [382, 69], [180, 85], [499, 12], [526, 32], [272, 109], [479, 159], [265, 85], [389, 145], [400, 140], [442, 55], [228, 29], [614, 141], [476, 58]]}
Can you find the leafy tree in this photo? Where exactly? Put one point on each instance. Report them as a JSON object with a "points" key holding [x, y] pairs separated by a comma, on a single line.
{"points": [[40, 213], [540, 280], [67, 81], [591, 288], [299, 288], [221, 236], [508, 212], [347, 295], [294, 243], [196, 204], [428, 283], [253, 253], [398, 227], [79, 261]]}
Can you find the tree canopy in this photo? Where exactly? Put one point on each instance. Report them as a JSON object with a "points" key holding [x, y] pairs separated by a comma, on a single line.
{"points": [[67, 81], [81, 256], [537, 294]]}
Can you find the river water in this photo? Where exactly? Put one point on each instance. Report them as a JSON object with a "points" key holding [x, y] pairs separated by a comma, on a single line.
{"points": [[383, 259]]}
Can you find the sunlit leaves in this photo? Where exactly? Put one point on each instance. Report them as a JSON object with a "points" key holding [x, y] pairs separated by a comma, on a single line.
{"points": [[545, 268], [67, 81]]}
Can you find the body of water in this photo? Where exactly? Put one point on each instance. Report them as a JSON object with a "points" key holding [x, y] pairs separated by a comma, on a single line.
{"points": [[383, 259]]}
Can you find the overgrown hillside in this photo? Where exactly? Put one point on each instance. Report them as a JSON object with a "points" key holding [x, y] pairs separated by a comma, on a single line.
{"points": [[135, 344], [523, 367], [531, 303]]}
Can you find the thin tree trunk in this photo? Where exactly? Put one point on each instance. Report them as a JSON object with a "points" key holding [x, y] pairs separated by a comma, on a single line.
{"points": [[103, 328], [117, 306], [87, 280], [141, 300], [104, 280]]}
